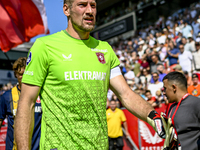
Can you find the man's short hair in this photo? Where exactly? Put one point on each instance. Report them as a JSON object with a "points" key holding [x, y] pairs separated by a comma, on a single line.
{"points": [[68, 2], [19, 64], [112, 100], [177, 78], [155, 73], [147, 91]]}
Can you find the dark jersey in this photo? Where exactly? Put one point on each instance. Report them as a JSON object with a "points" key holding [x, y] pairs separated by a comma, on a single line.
{"points": [[8, 109], [187, 122]]}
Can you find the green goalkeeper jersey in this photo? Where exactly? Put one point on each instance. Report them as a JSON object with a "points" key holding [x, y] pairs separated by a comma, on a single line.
{"points": [[74, 79]]}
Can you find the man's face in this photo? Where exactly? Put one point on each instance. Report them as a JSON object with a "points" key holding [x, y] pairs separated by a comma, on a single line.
{"points": [[183, 41], [148, 95], [154, 59], [181, 48], [113, 105], [83, 15], [155, 77], [168, 91], [195, 81], [19, 75]]}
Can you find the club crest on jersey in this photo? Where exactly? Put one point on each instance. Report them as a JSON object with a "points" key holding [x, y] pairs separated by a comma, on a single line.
{"points": [[38, 100], [101, 58], [29, 58]]}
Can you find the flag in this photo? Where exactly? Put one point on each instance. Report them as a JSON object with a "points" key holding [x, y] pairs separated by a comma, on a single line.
{"points": [[20, 20]]}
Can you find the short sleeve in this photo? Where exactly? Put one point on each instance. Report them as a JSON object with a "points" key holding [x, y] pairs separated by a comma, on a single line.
{"points": [[114, 60], [123, 117], [37, 64], [2, 108]]}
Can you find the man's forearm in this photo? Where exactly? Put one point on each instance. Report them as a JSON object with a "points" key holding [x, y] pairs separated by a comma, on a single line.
{"points": [[24, 123], [125, 126], [137, 105]]}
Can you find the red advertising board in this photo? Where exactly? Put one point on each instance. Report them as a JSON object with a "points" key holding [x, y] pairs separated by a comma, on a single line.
{"points": [[3, 138], [142, 134]]}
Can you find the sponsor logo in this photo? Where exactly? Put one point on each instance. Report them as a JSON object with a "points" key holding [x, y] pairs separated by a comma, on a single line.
{"points": [[99, 50], [67, 58], [101, 58], [152, 148], [30, 73], [194, 92], [158, 125], [147, 136], [84, 75], [29, 58]]}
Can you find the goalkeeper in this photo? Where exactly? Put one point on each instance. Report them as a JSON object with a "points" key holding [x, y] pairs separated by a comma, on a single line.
{"points": [[184, 114], [73, 71]]}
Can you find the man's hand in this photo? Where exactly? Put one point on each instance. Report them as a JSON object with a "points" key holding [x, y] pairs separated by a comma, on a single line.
{"points": [[154, 119], [127, 135], [171, 137]]}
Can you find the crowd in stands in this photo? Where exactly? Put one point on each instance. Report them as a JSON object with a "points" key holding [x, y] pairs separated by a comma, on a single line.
{"points": [[5, 88], [173, 45], [122, 9]]}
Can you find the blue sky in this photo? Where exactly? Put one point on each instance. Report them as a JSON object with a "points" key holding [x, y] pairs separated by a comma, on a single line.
{"points": [[56, 19]]}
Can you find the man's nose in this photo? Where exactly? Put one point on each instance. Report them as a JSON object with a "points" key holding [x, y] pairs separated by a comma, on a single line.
{"points": [[89, 9]]}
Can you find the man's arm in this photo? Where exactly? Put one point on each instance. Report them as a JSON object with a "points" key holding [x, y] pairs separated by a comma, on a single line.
{"points": [[132, 101], [126, 128], [24, 121]]}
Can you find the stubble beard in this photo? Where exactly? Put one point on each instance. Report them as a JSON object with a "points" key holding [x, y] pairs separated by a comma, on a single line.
{"points": [[82, 27]]}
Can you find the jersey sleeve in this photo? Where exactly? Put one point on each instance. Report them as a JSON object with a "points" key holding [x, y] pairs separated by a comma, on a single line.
{"points": [[123, 118], [114, 60], [37, 64], [2, 108]]}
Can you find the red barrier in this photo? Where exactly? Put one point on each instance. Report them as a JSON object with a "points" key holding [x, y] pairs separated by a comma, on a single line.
{"points": [[146, 138], [3, 138]]}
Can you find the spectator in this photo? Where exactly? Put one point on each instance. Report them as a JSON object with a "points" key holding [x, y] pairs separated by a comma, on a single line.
{"points": [[162, 52], [187, 46], [157, 85], [172, 55], [144, 63], [187, 29], [189, 78], [9, 105], [135, 66], [185, 59], [145, 77], [129, 75], [155, 63], [150, 99], [178, 68], [194, 89], [196, 58], [114, 118]]}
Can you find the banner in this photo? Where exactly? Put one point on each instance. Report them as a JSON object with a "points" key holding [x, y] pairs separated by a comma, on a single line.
{"points": [[142, 134], [3, 138], [20, 21]]}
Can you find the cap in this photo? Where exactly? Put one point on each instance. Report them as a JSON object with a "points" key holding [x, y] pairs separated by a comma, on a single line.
{"points": [[189, 35], [194, 76], [141, 42], [178, 67]]}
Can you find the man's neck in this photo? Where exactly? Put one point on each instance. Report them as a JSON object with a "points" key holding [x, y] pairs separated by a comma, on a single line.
{"points": [[180, 95], [81, 35]]}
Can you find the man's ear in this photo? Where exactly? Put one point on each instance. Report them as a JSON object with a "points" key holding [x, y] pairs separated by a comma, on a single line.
{"points": [[66, 10], [174, 87]]}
